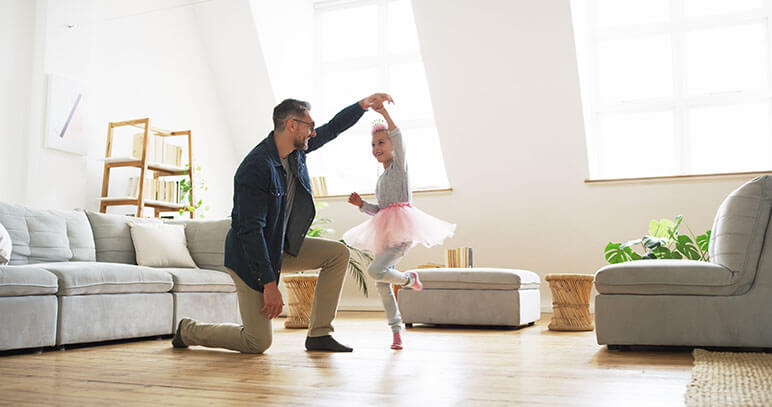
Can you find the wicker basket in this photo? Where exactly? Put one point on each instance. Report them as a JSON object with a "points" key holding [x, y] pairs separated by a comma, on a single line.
{"points": [[301, 288], [570, 302]]}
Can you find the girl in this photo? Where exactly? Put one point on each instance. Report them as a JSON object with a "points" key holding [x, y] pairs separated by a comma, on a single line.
{"points": [[395, 226]]}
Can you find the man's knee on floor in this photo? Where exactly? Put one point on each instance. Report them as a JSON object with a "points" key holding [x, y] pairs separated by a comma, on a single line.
{"points": [[257, 345]]}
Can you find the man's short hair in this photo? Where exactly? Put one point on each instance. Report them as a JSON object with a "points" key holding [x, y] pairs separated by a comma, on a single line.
{"points": [[288, 109]]}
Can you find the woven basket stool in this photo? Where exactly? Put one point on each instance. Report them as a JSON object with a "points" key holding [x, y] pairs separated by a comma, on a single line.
{"points": [[570, 302], [301, 288]]}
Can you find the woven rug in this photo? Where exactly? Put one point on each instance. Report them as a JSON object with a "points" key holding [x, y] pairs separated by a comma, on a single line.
{"points": [[730, 379]]}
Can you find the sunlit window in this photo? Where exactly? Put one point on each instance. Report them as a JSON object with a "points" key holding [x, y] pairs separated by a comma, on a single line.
{"points": [[363, 47], [674, 87]]}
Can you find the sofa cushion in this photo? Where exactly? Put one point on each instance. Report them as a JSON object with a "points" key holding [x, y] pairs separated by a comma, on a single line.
{"points": [[6, 246], [12, 217], [206, 241], [48, 240], [79, 234], [112, 237], [200, 280], [79, 277], [28, 279], [478, 278], [160, 245], [666, 277], [738, 230]]}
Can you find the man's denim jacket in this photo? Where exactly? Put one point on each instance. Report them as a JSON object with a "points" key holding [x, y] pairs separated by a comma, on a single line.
{"points": [[253, 246]]}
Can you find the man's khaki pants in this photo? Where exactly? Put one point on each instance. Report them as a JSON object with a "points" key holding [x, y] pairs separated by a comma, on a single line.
{"points": [[255, 335]]}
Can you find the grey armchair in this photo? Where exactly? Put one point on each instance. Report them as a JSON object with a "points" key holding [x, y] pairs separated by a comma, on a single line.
{"points": [[726, 302]]}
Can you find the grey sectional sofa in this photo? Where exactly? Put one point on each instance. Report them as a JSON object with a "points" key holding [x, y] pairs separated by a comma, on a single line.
{"points": [[724, 303], [72, 278]]}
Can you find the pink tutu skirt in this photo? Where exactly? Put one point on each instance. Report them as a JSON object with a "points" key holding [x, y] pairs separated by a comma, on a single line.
{"points": [[397, 224]]}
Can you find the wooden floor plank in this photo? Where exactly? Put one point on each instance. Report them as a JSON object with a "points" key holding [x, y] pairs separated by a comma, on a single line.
{"points": [[439, 366]]}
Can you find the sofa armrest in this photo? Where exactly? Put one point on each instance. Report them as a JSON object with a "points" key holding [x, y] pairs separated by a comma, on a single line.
{"points": [[206, 241]]}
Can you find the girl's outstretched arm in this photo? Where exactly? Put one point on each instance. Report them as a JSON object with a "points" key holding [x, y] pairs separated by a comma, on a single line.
{"points": [[364, 206], [385, 113]]}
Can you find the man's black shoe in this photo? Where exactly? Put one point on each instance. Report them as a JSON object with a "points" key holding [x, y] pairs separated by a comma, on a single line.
{"points": [[177, 340], [326, 344]]}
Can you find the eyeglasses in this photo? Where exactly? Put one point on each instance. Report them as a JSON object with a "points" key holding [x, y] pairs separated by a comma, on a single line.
{"points": [[310, 124]]}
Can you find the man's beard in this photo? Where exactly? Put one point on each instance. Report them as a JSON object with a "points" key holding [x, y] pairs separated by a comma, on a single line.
{"points": [[300, 144]]}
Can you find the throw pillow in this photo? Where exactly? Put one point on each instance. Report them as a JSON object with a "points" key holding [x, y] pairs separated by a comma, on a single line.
{"points": [[160, 245], [5, 246]]}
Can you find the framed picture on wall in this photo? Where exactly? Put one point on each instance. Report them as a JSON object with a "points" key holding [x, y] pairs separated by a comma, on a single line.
{"points": [[66, 115]]}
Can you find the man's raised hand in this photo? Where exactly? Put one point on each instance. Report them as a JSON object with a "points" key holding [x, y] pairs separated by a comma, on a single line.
{"points": [[375, 101]]}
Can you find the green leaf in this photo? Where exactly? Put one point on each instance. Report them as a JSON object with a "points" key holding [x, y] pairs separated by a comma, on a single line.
{"points": [[630, 253], [686, 247], [703, 241], [660, 228], [615, 253], [652, 242]]}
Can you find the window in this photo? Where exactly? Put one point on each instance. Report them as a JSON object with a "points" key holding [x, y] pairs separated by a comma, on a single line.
{"points": [[362, 47], [674, 87]]}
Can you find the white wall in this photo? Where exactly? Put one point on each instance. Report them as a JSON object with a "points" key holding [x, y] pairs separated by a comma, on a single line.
{"points": [[504, 85], [138, 59], [16, 44]]}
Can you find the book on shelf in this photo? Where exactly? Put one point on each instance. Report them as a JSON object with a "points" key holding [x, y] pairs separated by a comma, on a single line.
{"points": [[460, 257], [158, 150], [319, 186], [156, 189]]}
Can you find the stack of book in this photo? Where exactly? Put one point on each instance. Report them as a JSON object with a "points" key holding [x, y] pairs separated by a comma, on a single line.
{"points": [[156, 189], [319, 186], [460, 257], [158, 150]]}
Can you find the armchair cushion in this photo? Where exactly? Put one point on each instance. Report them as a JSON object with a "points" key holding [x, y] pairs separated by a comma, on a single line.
{"points": [[27, 279], [665, 277]]}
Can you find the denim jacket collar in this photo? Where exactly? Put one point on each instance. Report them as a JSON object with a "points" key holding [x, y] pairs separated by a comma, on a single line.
{"points": [[273, 154]]}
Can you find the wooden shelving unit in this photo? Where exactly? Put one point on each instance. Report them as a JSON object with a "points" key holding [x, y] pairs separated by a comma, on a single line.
{"points": [[158, 169]]}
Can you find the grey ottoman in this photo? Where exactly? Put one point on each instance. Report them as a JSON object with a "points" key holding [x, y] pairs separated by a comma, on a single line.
{"points": [[472, 296]]}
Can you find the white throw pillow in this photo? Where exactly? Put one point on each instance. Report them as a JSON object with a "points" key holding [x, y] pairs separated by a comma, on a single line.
{"points": [[5, 246], [160, 245]]}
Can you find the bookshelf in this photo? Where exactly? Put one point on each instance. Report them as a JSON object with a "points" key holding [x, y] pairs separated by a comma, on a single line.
{"points": [[155, 162]]}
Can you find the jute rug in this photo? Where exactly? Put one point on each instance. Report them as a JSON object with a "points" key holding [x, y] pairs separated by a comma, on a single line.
{"points": [[730, 379]]}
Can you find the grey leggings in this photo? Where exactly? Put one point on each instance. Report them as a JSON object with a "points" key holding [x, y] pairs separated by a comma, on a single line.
{"points": [[383, 272]]}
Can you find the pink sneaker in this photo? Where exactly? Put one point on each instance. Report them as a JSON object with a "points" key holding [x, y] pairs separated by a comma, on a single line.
{"points": [[397, 342], [416, 285]]}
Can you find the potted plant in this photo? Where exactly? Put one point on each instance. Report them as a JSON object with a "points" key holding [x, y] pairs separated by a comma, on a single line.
{"points": [[186, 197], [664, 241]]}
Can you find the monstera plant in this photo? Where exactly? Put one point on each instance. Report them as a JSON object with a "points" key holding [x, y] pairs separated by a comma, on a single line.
{"points": [[665, 240]]}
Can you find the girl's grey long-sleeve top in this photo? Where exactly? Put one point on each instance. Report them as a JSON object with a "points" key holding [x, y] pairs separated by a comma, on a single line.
{"points": [[394, 184]]}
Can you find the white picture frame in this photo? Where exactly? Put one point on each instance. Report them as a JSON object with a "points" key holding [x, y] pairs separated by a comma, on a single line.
{"points": [[65, 127]]}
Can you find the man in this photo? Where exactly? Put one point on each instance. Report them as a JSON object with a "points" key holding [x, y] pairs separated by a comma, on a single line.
{"points": [[272, 211]]}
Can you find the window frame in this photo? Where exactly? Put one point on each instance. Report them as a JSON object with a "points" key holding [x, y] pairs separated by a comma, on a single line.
{"points": [[681, 101], [382, 61]]}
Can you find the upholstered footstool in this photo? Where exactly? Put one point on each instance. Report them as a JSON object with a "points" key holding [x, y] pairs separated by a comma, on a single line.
{"points": [[472, 296]]}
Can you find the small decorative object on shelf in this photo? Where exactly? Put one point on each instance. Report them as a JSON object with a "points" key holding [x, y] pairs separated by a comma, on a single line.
{"points": [[157, 159], [460, 257]]}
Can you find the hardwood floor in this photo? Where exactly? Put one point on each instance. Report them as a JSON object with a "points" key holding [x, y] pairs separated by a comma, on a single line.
{"points": [[438, 367]]}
